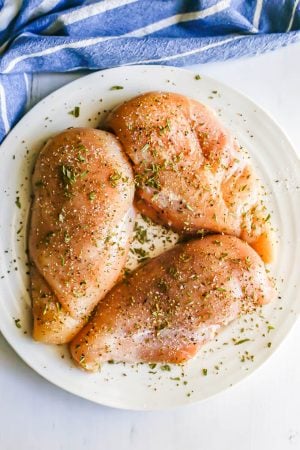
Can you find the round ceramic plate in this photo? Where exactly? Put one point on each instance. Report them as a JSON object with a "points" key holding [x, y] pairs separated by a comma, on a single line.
{"points": [[240, 348]]}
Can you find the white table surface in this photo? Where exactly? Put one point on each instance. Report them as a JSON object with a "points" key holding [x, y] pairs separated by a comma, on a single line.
{"points": [[261, 413]]}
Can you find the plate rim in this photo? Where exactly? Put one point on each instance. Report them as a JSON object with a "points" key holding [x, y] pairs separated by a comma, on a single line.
{"points": [[293, 320]]}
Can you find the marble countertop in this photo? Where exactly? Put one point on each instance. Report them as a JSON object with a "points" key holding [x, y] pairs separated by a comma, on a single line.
{"points": [[263, 412]]}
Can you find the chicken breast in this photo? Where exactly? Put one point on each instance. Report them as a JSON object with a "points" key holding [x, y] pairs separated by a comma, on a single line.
{"points": [[190, 172], [175, 303], [81, 225]]}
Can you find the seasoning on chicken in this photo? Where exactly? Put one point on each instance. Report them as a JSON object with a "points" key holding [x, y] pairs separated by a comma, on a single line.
{"points": [[81, 224], [191, 174], [175, 303]]}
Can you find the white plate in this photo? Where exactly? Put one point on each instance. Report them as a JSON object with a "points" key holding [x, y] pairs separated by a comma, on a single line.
{"points": [[134, 387]]}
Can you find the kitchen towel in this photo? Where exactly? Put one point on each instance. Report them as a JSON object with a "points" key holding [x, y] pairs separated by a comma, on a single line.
{"points": [[64, 35]]}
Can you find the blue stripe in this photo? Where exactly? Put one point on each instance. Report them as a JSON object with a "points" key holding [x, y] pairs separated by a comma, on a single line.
{"points": [[276, 17], [17, 102], [223, 33]]}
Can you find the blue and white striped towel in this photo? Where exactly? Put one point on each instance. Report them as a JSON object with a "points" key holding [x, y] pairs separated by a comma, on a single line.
{"points": [[65, 35]]}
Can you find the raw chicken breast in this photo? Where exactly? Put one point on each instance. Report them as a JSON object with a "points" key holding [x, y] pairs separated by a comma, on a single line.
{"points": [[173, 304], [190, 172], [81, 224]]}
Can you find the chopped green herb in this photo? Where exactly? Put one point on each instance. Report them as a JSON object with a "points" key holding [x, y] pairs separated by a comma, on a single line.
{"points": [[204, 372], [140, 234], [140, 252], [270, 327], [241, 341], [19, 230], [162, 286], [165, 367], [84, 174], [115, 178], [67, 237], [173, 272], [197, 77], [221, 289], [184, 257], [68, 175], [81, 158], [152, 366], [116, 88], [269, 344], [167, 127], [48, 236], [78, 293], [92, 195], [248, 261], [17, 202], [75, 112], [223, 255], [151, 181], [267, 218], [17, 323], [145, 148]]}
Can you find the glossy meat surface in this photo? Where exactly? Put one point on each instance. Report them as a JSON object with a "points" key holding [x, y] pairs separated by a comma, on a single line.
{"points": [[190, 172], [81, 224], [166, 309]]}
